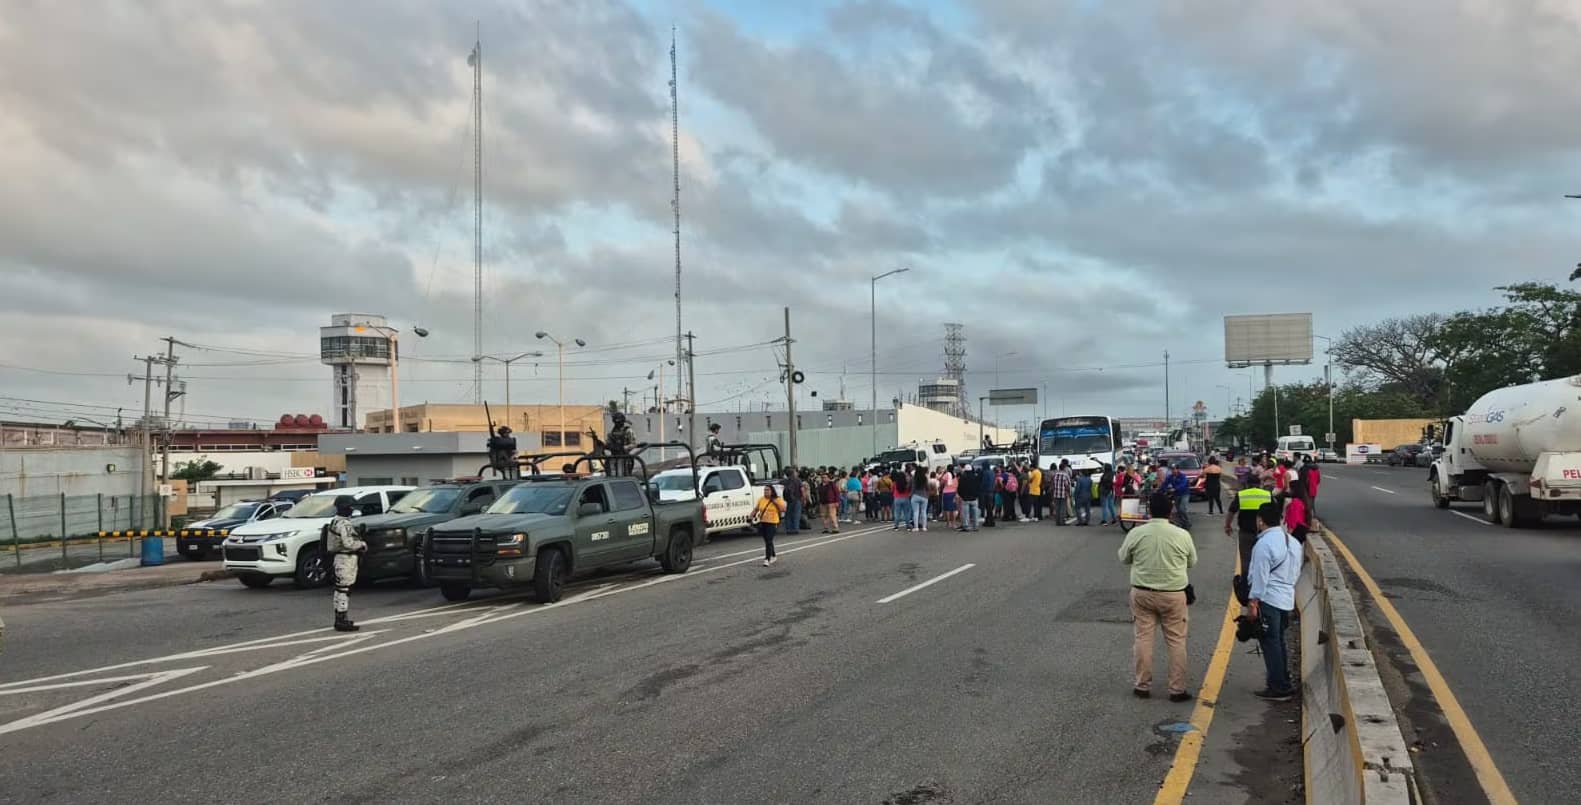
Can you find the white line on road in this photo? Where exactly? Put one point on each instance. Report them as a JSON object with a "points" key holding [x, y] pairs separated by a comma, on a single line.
{"points": [[1477, 520], [928, 583], [1386, 491]]}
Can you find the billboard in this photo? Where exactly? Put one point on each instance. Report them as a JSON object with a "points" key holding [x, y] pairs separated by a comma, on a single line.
{"points": [[1282, 338], [1013, 397]]}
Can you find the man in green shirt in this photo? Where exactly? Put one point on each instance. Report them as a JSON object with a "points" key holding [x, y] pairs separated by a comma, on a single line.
{"points": [[1160, 554]]}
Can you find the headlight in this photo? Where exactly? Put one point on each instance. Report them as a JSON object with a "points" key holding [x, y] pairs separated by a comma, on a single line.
{"points": [[394, 538], [511, 545]]}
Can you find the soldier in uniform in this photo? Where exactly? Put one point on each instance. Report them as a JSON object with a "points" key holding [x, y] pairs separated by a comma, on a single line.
{"points": [[344, 546], [715, 447], [620, 443], [502, 453]]}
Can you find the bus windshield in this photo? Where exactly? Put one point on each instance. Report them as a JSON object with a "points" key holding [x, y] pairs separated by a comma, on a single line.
{"points": [[1070, 436]]}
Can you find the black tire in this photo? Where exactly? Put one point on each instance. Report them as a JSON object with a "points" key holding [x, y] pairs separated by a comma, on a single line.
{"points": [[1490, 501], [256, 581], [420, 572], [677, 557], [1439, 499], [1507, 516], [454, 591], [1126, 525], [548, 578], [313, 569]]}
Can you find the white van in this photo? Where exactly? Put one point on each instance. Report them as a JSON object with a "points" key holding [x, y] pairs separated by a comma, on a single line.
{"points": [[1292, 446]]}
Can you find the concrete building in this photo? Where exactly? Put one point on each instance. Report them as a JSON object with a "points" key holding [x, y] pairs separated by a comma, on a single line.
{"points": [[413, 459], [837, 438], [543, 421], [943, 394], [357, 349], [71, 471]]}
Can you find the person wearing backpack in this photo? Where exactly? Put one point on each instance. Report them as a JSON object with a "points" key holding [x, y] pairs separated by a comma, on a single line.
{"points": [[1011, 496]]}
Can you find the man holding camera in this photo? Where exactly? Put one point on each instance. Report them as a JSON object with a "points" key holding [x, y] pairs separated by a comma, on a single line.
{"points": [[1276, 564]]}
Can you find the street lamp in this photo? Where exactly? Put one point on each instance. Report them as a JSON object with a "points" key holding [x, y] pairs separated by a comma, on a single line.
{"points": [[980, 401], [1328, 380], [507, 362], [560, 350], [658, 399], [390, 337], [873, 319]]}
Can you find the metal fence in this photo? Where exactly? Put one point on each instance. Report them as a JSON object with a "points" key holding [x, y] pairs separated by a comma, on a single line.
{"points": [[50, 517]]}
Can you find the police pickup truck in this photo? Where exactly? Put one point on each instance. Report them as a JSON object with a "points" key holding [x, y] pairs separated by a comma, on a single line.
{"points": [[550, 527], [395, 537]]}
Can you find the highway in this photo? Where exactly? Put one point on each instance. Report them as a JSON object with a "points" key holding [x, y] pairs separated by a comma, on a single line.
{"points": [[1493, 608], [838, 675]]}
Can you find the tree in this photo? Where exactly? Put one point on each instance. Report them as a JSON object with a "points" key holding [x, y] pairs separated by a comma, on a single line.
{"points": [[1536, 336], [1576, 274], [194, 471], [1396, 352]]}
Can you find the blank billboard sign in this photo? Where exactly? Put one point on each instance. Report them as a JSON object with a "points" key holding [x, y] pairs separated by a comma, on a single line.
{"points": [[1267, 338]]}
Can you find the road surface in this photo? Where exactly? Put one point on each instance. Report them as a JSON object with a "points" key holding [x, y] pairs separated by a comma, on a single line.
{"points": [[1494, 608], [835, 676]]}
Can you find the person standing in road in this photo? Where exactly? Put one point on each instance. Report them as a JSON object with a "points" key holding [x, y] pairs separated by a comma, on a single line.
{"points": [[1180, 489], [767, 515], [1083, 498], [1060, 480], [949, 487], [1248, 501], [1035, 490], [902, 482], [1012, 495], [1243, 471], [792, 502], [1108, 515], [344, 545], [1160, 556], [969, 490], [1212, 484], [1276, 564], [832, 495], [853, 497], [884, 489], [1310, 477], [1297, 517], [919, 499], [988, 492], [1281, 475]]}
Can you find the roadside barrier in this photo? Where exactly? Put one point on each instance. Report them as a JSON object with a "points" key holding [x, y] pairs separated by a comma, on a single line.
{"points": [[1350, 740]]}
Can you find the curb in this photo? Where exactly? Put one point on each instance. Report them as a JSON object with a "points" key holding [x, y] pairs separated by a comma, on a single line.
{"points": [[1351, 743]]}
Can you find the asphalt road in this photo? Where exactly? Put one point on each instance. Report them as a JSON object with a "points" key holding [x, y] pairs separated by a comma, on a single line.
{"points": [[1005, 682], [1495, 608]]}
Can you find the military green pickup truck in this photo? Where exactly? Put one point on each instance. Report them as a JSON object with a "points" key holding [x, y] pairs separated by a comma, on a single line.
{"points": [[551, 527]]}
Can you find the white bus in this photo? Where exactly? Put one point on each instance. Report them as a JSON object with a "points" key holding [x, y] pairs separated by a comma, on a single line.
{"points": [[1085, 441]]}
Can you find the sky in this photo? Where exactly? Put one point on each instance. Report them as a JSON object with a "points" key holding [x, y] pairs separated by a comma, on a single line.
{"points": [[1085, 185]]}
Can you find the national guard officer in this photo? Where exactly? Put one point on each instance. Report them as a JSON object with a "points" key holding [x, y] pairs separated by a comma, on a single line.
{"points": [[715, 446], [502, 453], [620, 443], [345, 546]]}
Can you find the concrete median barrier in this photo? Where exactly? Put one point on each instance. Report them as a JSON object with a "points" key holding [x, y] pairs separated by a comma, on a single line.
{"points": [[1352, 745]]}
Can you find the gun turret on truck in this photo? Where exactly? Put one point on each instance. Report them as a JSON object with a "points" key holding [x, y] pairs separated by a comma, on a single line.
{"points": [[1518, 451]]}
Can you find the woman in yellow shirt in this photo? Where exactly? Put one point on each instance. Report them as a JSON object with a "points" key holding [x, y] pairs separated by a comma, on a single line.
{"points": [[767, 515]]}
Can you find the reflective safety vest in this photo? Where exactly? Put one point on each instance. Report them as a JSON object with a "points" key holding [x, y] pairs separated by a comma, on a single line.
{"points": [[1249, 501]]}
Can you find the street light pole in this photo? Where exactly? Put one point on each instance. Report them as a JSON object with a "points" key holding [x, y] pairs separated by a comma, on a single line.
{"points": [[980, 401], [393, 343], [1328, 380], [560, 350], [507, 362], [873, 349]]}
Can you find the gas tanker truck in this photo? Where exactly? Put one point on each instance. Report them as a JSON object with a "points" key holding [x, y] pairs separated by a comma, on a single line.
{"points": [[1518, 451]]}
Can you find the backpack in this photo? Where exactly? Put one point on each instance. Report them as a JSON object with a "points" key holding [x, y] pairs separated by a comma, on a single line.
{"points": [[1012, 485]]}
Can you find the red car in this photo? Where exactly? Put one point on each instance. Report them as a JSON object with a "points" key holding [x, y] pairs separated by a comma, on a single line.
{"points": [[1191, 465]]}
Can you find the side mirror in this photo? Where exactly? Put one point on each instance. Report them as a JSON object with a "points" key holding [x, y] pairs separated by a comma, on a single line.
{"points": [[356, 512], [653, 494], [589, 510]]}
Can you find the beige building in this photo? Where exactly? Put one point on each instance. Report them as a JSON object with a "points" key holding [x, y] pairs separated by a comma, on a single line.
{"points": [[1390, 432], [543, 420]]}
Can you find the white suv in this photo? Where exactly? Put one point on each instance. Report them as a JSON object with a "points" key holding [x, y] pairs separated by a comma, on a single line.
{"points": [[260, 552]]}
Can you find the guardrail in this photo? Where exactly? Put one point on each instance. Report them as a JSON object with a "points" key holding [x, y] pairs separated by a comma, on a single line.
{"points": [[1350, 741]]}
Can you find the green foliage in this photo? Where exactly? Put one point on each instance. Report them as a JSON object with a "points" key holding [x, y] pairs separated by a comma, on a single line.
{"points": [[194, 471], [1536, 336], [1307, 405]]}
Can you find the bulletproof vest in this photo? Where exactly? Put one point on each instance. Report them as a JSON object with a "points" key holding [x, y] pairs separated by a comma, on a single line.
{"points": [[1250, 500]]}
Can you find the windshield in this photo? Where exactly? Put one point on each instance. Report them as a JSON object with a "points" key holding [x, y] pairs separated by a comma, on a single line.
{"points": [[898, 457], [314, 506], [534, 499], [1074, 436], [236, 511], [1183, 462], [430, 501], [674, 483], [1299, 444]]}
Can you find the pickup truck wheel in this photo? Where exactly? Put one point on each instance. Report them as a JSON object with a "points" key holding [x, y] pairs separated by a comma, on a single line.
{"points": [[255, 580], [454, 591], [1439, 499], [312, 569], [548, 578], [678, 557]]}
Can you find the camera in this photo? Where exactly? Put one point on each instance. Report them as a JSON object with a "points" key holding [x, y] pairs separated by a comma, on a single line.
{"points": [[1248, 628]]}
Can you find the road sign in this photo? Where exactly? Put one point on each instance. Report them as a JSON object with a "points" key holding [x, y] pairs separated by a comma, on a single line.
{"points": [[1013, 397], [1295, 430], [1329, 437]]}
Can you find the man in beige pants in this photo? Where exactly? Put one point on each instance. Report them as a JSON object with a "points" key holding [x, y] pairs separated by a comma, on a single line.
{"points": [[1159, 554]]}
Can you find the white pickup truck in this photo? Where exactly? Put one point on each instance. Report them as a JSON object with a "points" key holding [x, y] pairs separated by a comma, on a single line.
{"points": [[729, 494]]}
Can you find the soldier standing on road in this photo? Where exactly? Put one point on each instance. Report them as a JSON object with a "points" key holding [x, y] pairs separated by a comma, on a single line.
{"points": [[344, 545]]}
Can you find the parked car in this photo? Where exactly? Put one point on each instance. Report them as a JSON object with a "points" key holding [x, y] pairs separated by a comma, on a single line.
{"points": [[1327, 456], [288, 547], [291, 495], [198, 545], [394, 538], [1410, 455], [1191, 466]]}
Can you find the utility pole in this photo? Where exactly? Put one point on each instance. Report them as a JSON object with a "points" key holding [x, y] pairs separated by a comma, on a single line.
{"points": [[625, 399], [675, 206], [170, 393], [1168, 422], [790, 389], [691, 391], [146, 457]]}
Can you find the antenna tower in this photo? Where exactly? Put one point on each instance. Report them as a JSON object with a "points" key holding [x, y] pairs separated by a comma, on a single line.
{"points": [[955, 364], [476, 60], [675, 206]]}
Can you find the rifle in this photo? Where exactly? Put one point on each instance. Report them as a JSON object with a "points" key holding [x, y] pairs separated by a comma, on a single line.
{"points": [[489, 418]]}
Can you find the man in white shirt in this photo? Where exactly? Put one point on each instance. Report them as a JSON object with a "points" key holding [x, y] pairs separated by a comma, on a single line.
{"points": [[1276, 564]]}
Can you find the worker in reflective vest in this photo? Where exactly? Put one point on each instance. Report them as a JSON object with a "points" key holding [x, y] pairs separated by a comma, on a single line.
{"points": [[1243, 508]]}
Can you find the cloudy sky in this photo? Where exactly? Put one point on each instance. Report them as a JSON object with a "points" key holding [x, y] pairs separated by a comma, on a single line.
{"points": [[1084, 184]]}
